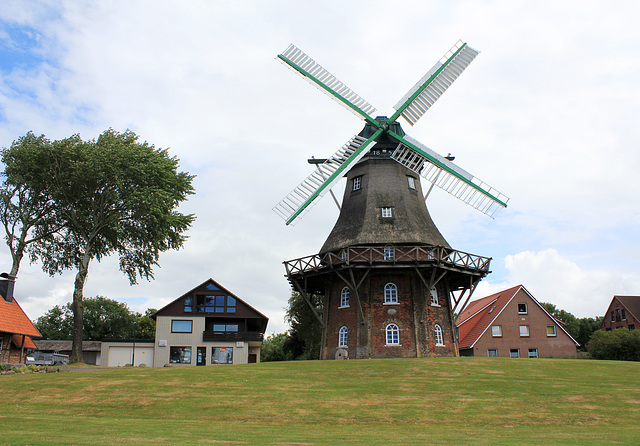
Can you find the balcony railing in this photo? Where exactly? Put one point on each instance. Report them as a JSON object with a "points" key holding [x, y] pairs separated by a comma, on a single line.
{"points": [[390, 255], [231, 336]]}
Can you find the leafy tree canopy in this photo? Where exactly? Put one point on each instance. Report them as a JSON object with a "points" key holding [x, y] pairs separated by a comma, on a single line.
{"points": [[619, 344], [103, 318]]}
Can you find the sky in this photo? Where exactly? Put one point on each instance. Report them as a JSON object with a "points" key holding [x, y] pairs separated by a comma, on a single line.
{"points": [[547, 114]]}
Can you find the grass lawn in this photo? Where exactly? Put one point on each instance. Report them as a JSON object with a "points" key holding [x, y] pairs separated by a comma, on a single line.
{"points": [[397, 402]]}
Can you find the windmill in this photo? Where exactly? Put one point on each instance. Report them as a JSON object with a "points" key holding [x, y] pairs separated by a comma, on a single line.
{"points": [[385, 244]]}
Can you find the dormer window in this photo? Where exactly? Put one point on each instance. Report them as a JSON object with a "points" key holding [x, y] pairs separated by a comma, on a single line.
{"points": [[386, 212], [357, 184]]}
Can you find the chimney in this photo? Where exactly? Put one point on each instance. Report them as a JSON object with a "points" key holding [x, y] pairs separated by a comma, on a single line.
{"points": [[7, 282]]}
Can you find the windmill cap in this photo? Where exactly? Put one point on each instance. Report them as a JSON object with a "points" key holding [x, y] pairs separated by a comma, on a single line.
{"points": [[370, 129]]}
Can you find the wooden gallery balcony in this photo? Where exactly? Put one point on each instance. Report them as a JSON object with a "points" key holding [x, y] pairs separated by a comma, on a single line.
{"points": [[231, 336]]}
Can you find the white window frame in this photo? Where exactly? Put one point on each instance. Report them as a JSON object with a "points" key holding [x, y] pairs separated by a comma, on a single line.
{"points": [[489, 350], [412, 182], [344, 298], [437, 331], [496, 331], [343, 336], [534, 351], [434, 297], [514, 351], [357, 184], [526, 308], [524, 331], [555, 333], [390, 294], [392, 334], [386, 212], [389, 252]]}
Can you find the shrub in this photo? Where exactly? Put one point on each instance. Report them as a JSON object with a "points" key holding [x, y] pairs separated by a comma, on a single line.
{"points": [[620, 344]]}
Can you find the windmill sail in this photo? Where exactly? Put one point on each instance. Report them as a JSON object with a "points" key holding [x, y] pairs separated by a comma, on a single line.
{"points": [[323, 178], [296, 59], [449, 177], [428, 89]]}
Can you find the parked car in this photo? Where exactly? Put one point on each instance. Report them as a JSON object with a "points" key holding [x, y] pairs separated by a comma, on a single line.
{"points": [[40, 358]]}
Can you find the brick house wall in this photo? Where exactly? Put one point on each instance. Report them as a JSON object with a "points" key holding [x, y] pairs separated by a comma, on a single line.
{"points": [[620, 313]]}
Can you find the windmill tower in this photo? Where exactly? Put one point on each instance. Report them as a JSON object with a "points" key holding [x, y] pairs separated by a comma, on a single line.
{"points": [[391, 282]]}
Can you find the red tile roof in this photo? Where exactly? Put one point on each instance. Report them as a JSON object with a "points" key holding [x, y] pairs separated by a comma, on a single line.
{"points": [[28, 342], [14, 320], [479, 314]]}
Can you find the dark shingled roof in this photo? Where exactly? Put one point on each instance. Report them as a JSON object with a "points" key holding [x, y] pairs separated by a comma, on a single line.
{"points": [[59, 346], [631, 303]]}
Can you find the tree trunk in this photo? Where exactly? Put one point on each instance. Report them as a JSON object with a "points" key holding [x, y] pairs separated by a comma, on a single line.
{"points": [[78, 310]]}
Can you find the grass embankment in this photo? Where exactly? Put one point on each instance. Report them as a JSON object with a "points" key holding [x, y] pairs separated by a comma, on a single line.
{"points": [[407, 401]]}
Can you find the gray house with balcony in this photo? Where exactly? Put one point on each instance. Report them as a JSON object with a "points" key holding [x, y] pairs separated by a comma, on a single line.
{"points": [[208, 325]]}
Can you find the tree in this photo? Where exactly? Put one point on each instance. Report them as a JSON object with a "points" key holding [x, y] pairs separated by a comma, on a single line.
{"points": [[27, 213], [274, 348], [103, 318], [620, 344], [113, 195], [305, 335], [580, 329]]}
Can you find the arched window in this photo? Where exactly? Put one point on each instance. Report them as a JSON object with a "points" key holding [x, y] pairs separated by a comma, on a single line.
{"points": [[438, 335], [393, 334], [434, 296], [390, 293], [344, 297], [342, 336]]}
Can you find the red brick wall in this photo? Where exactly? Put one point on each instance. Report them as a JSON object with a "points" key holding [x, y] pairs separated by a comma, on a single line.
{"points": [[413, 315], [558, 346], [611, 322]]}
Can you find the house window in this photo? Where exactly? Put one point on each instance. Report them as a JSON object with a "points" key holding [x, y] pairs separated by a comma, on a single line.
{"points": [[496, 331], [522, 308], [225, 327], [389, 253], [344, 297], [390, 293], [434, 297], [221, 355], [188, 304], [412, 182], [613, 318], [393, 334], [533, 353], [514, 353], [215, 304], [180, 355], [342, 336], [524, 330], [551, 330], [178, 326], [357, 184], [493, 352], [618, 318], [438, 335], [386, 212], [632, 327], [624, 316]]}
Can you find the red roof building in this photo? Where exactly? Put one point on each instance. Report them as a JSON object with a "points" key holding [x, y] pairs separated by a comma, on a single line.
{"points": [[512, 323], [623, 312], [15, 329]]}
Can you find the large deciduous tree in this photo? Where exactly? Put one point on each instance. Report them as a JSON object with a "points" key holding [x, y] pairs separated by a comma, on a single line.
{"points": [[114, 195]]}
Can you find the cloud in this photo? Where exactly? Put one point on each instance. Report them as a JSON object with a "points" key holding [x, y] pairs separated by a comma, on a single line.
{"points": [[551, 277]]}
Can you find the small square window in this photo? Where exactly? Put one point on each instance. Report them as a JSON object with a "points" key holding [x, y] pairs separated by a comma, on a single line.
{"points": [[551, 330], [493, 352], [412, 182], [524, 330], [496, 331], [357, 184], [514, 353], [533, 353], [389, 253], [386, 212], [522, 308]]}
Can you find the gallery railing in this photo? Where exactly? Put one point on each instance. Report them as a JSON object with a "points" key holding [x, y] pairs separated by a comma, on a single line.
{"points": [[391, 254]]}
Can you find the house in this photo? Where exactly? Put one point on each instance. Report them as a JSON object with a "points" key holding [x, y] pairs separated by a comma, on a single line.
{"points": [[208, 325], [90, 349], [16, 329], [623, 312], [512, 323]]}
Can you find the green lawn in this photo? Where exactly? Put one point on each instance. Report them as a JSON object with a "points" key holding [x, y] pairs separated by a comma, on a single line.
{"points": [[406, 401]]}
